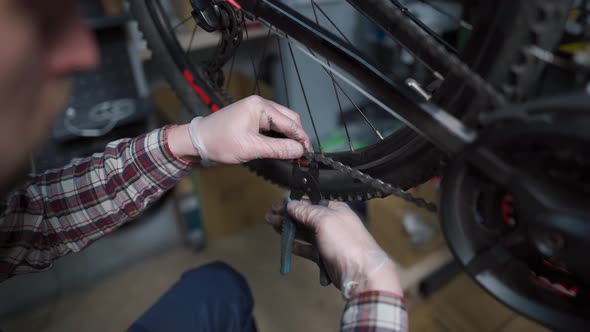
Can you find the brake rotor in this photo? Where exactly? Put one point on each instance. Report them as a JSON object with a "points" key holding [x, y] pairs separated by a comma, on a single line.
{"points": [[533, 262]]}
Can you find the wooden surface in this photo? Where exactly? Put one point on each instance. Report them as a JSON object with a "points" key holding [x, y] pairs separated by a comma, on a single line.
{"points": [[293, 303], [169, 106], [296, 302], [462, 306], [231, 198], [241, 86], [386, 224], [415, 262]]}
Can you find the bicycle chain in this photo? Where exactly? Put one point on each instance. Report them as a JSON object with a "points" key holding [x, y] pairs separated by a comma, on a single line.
{"points": [[385, 189], [456, 67]]}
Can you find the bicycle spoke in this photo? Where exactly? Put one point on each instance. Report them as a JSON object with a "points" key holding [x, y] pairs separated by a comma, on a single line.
{"points": [[190, 44], [329, 72], [266, 41], [355, 106], [459, 21], [218, 46], [231, 69], [332, 77], [181, 23], [252, 62], [283, 70], [413, 18], [423, 26], [342, 116], [305, 97], [314, 5]]}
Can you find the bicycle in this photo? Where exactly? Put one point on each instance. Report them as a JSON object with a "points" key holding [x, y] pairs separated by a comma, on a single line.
{"points": [[515, 189]]}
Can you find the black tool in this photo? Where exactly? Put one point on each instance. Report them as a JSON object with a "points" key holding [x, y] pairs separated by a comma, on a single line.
{"points": [[305, 182]]}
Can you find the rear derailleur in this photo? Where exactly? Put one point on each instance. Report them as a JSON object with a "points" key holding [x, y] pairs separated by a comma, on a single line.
{"points": [[217, 15]]}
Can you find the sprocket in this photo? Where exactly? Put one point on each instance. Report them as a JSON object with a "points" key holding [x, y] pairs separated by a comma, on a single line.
{"points": [[529, 253]]}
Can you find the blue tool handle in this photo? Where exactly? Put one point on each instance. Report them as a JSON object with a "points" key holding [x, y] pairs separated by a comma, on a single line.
{"points": [[288, 230]]}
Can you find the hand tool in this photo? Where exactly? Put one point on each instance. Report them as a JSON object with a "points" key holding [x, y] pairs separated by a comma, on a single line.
{"points": [[305, 182]]}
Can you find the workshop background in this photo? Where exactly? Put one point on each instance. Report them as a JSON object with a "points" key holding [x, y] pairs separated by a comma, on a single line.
{"points": [[217, 213]]}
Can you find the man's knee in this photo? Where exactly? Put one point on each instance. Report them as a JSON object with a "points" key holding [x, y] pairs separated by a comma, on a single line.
{"points": [[221, 279], [213, 297], [216, 270]]}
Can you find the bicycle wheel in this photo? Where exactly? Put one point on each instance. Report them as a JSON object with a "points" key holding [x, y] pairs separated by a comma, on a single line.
{"points": [[499, 32]]}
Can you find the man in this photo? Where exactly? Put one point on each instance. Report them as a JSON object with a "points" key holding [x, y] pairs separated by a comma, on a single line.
{"points": [[46, 216]]}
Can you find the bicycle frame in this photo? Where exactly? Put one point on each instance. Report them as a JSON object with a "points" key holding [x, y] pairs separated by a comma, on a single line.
{"points": [[538, 200], [438, 126]]}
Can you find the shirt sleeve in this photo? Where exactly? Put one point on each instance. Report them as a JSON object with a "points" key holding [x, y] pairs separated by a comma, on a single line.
{"points": [[65, 210], [375, 311]]}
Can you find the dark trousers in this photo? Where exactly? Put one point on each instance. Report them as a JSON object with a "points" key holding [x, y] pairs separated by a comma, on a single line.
{"points": [[213, 297]]}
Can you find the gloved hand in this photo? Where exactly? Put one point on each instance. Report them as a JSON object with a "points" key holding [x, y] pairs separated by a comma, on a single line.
{"points": [[232, 135], [354, 261]]}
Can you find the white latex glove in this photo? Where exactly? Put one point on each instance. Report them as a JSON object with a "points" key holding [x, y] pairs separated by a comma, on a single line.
{"points": [[352, 257], [232, 135]]}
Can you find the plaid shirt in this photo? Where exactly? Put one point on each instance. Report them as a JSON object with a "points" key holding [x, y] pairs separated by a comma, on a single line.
{"points": [[375, 311], [65, 210]]}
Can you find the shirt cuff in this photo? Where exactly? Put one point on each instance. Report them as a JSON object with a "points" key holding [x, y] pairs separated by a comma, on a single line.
{"points": [[375, 310], [167, 130], [155, 160]]}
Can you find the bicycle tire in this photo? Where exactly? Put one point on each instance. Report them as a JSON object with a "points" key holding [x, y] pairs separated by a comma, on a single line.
{"points": [[404, 158]]}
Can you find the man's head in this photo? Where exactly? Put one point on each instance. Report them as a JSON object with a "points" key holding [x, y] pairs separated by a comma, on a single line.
{"points": [[42, 43]]}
